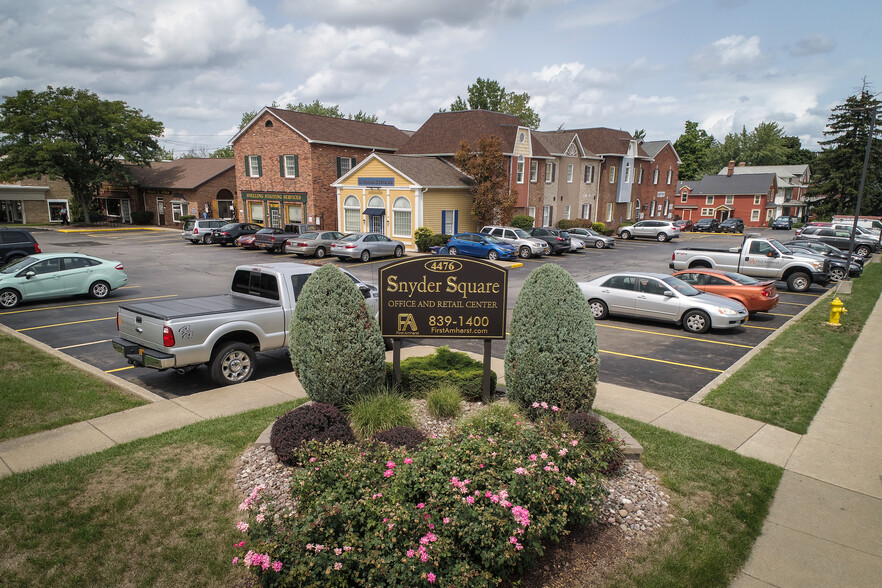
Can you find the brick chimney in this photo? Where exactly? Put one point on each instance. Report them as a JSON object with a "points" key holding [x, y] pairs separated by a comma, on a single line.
{"points": [[731, 168], [742, 164]]}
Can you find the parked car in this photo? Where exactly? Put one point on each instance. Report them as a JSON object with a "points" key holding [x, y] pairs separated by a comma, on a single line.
{"points": [[481, 245], [200, 230], [732, 225], [246, 241], [527, 246], [272, 239], [837, 262], [227, 234], [364, 246], [55, 275], [706, 225], [823, 249], [841, 239], [653, 229], [684, 224], [558, 243], [592, 238], [812, 224], [576, 244], [783, 222], [316, 243], [661, 297], [755, 295], [15, 244]]}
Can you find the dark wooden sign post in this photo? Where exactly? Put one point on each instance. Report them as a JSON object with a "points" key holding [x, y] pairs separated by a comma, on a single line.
{"points": [[443, 298]]}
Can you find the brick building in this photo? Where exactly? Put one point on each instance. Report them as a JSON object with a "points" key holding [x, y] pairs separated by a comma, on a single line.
{"points": [[34, 201], [791, 186], [657, 177], [570, 189], [746, 196], [286, 162]]}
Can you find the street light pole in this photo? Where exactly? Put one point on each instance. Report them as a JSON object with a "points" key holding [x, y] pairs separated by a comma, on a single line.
{"points": [[857, 208]]}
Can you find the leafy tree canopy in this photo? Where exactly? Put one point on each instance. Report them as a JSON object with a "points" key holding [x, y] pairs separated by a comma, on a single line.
{"points": [[315, 107], [837, 169], [490, 95], [764, 145], [223, 152], [692, 147], [494, 199], [76, 136]]}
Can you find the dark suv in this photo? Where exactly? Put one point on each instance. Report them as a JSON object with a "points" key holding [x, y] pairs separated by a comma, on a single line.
{"points": [[732, 225], [227, 234], [15, 244], [706, 225], [559, 243]]}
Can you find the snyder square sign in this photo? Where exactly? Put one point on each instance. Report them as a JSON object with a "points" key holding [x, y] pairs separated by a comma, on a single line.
{"points": [[443, 297]]}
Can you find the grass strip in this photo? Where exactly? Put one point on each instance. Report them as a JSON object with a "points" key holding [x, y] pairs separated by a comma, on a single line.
{"points": [[722, 499], [786, 383], [39, 392]]}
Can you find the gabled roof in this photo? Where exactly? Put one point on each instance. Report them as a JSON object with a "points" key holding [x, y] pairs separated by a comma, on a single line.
{"points": [[731, 185], [604, 141], [426, 172], [181, 174], [334, 131], [653, 148], [788, 175], [444, 131], [557, 142]]}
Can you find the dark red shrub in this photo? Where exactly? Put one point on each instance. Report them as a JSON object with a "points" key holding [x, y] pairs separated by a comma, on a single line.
{"points": [[322, 422], [588, 425], [401, 437]]}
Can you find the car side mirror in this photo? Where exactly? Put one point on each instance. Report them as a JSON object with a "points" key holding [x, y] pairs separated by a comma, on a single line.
{"points": [[773, 254], [30, 274], [668, 294]]}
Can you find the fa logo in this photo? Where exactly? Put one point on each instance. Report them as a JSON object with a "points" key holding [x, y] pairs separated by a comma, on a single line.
{"points": [[406, 322]]}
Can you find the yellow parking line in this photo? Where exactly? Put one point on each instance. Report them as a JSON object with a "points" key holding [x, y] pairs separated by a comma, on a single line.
{"points": [[119, 369], [697, 367], [804, 294], [81, 345], [109, 318], [793, 303], [675, 336], [763, 328], [116, 301], [778, 314]]}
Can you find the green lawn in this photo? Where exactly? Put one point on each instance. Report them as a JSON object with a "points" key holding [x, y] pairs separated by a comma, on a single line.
{"points": [[786, 383], [39, 392]]}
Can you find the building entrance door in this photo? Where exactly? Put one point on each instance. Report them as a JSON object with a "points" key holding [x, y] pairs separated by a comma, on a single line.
{"points": [[160, 212], [126, 206], [376, 224]]}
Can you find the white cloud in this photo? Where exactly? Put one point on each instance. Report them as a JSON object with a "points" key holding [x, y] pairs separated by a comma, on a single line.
{"points": [[729, 54], [603, 13], [812, 45]]}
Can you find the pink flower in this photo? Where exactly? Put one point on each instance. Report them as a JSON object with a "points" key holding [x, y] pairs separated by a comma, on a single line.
{"points": [[555, 409], [338, 566], [470, 499], [430, 577], [241, 544], [512, 540], [347, 548], [421, 505], [519, 546], [543, 455], [277, 566], [431, 526], [388, 474], [311, 459], [535, 405], [390, 464], [235, 560], [408, 460], [259, 518], [521, 471], [562, 452], [488, 494], [544, 405], [494, 499], [570, 480], [424, 557], [337, 551], [242, 526], [533, 457], [445, 520], [574, 442], [480, 465], [411, 553]]}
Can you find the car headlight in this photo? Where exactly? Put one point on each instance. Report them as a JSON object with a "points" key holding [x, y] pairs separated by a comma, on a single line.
{"points": [[726, 311]]}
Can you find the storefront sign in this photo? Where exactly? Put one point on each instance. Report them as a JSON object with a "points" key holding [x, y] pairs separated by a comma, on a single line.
{"points": [[376, 182], [158, 192], [443, 297], [281, 196]]}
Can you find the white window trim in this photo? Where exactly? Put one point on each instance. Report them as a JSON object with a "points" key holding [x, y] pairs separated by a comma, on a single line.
{"points": [[670, 176], [254, 166], [549, 172], [179, 209], [531, 211], [356, 224], [730, 199], [655, 177], [627, 175], [684, 198], [293, 169], [757, 200], [399, 210], [567, 212], [589, 174], [534, 171], [612, 174], [708, 199], [609, 212], [640, 176], [755, 214], [569, 174], [520, 169]]}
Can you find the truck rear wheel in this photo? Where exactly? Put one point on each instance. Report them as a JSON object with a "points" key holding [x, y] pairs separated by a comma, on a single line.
{"points": [[232, 364], [799, 282]]}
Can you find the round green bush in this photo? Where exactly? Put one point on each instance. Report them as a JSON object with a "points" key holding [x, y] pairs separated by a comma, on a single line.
{"points": [[522, 221], [552, 351], [421, 237], [421, 374], [313, 421], [335, 343]]}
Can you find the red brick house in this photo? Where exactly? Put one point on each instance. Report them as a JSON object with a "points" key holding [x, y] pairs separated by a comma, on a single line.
{"points": [[286, 162], [657, 178], [723, 196], [526, 157]]}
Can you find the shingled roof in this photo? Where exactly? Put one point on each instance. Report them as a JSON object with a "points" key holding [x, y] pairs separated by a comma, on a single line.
{"points": [[443, 132], [604, 141], [731, 185], [557, 142], [428, 172], [181, 174], [336, 131]]}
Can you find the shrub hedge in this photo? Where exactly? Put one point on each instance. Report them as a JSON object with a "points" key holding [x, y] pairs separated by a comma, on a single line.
{"points": [[420, 374], [552, 354], [523, 221], [142, 217], [336, 348], [406, 437]]}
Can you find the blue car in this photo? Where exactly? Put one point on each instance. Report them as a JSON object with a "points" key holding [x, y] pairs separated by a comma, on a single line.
{"points": [[478, 245]]}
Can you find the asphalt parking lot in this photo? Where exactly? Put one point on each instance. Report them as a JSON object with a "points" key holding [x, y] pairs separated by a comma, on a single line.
{"points": [[654, 357]]}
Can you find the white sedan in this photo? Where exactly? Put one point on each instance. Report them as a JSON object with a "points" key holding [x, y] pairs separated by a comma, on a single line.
{"points": [[661, 297]]}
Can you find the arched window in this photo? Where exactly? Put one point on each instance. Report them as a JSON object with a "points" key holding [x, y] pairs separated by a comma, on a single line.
{"points": [[351, 215], [376, 202], [401, 218]]}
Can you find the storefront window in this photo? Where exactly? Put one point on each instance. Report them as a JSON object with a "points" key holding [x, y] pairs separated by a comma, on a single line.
{"points": [[257, 212], [401, 215], [55, 208], [178, 210], [295, 213], [351, 215], [225, 209]]}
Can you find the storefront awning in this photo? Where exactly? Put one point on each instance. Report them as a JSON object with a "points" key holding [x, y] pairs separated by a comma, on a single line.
{"points": [[374, 211]]}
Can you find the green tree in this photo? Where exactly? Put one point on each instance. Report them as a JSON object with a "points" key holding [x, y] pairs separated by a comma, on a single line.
{"points": [[639, 135], [837, 169], [551, 354], [316, 107], [764, 145], [796, 154], [494, 200], [490, 95], [76, 136], [692, 147], [222, 152], [336, 348]]}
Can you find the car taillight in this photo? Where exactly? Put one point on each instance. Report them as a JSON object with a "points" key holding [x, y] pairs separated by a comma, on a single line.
{"points": [[120, 267], [37, 247], [350, 247], [301, 244], [168, 337], [560, 238], [195, 230], [767, 293]]}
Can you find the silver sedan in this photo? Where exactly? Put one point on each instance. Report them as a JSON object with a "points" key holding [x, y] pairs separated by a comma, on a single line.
{"points": [[364, 246], [592, 238], [661, 297], [312, 243]]}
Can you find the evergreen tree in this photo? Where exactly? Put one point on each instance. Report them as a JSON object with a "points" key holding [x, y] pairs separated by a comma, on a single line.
{"points": [[692, 147], [838, 168], [764, 145], [493, 198]]}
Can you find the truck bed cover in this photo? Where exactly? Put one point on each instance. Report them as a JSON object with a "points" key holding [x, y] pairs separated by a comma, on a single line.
{"points": [[204, 305]]}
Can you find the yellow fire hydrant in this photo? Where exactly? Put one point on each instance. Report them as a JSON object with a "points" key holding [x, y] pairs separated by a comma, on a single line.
{"points": [[836, 310]]}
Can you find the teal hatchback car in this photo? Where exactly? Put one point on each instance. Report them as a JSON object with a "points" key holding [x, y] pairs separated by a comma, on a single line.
{"points": [[56, 275]]}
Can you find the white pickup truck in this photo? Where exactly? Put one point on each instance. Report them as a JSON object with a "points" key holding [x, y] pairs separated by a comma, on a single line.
{"points": [[225, 331], [760, 258]]}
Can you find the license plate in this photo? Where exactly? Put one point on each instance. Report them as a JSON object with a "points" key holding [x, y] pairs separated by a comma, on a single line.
{"points": [[141, 352]]}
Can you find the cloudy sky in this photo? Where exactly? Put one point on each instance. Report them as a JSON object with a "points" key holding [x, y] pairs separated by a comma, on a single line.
{"points": [[197, 65]]}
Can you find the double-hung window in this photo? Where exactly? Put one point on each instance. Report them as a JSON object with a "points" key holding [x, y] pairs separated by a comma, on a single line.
{"points": [[670, 176], [589, 174], [569, 173], [520, 169], [253, 166], [612, 174], [534, 171], [289, 166], [549, 172], [655, 176]]}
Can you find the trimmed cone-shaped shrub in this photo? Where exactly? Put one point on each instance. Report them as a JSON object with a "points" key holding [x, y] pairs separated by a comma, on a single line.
{"points": [[552, 351], [335, 342], [321, 422]]}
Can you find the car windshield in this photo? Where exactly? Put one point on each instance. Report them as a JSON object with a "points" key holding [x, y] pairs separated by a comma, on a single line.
{"points": [[265, 231], [351, 237], [780, 246], [741, 278], [17, 265], [681, 286], [592, 232], [494, 240], [522, 233]]}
